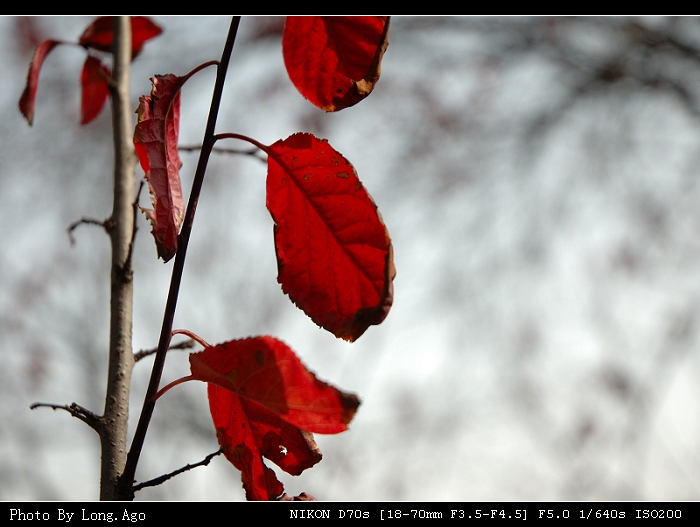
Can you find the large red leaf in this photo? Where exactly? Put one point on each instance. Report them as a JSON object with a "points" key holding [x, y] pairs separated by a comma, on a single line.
{"points": [[155, 140], [334, 61], [334, 253], [27, 100], [95, 89], [265, 403], [100, 34]]}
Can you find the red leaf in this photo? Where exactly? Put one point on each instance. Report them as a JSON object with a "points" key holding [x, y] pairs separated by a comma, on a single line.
{"points": [[266, 371], [28, 99], [334, 61], [155, 140], [334, 253], [100, 34], [246, 434], [95, 89], [265, 403]]}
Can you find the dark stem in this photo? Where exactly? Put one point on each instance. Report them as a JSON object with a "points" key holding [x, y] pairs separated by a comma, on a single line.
{"points": [[126, 487]]}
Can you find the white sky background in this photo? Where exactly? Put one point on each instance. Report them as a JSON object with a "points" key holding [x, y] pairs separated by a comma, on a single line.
{"points": [[543, 342]]}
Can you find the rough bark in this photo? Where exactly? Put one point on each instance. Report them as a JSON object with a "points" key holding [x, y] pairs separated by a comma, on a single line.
{"points": [[113, 430]]}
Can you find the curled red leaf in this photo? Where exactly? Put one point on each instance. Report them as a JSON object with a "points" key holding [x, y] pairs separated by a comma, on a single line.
{"points": [[27, 100], [334, 253], [100, 34], [155, 140], [334, 61], [265, 403], [95, 89]]}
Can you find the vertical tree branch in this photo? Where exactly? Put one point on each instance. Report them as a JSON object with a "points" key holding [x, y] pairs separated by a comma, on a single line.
{"points": [[113, 432], [126, 490]]}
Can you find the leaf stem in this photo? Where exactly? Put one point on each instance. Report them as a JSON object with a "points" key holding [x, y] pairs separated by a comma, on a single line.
{"points": [[232, 135], [126, 488], [193, 336], [254, 142], [167, 387]]}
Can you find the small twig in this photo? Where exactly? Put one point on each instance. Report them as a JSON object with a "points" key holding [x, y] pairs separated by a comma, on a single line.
{"points": [[165, 477], [85, 221], [185, 344], [135, 226], [77, 411], [252, 152]]}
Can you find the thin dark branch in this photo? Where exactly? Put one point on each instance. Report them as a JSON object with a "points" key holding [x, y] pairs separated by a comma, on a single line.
{"points": [[185, 344], [165, 477], [126, 491], [77, 411], [83, 221]]}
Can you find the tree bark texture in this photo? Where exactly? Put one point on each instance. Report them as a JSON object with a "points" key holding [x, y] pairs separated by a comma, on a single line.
{"points": [[121, 228]]}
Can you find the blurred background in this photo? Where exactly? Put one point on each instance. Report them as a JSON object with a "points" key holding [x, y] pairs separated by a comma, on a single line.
{"points": [[539, 178]]}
